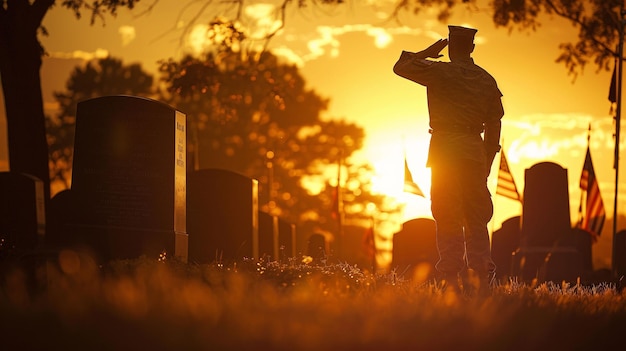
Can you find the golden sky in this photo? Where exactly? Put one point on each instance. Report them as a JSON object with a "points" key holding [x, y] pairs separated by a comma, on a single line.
{"points": [[347, 54]]}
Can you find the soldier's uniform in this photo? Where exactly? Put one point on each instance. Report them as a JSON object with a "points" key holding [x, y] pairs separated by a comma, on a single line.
{"points": [[462, 99]]}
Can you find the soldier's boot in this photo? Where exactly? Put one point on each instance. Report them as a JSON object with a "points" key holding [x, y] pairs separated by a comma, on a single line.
{"points": [[487, 283], [449, 283], [477, 284]]}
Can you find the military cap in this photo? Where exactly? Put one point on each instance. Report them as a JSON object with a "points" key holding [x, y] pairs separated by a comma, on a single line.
{"points": [[462, 32]]}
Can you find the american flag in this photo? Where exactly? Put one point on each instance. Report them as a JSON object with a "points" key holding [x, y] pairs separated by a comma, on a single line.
{"points": [[369, 243], [409, 185], [506, 184], [594, 214]]}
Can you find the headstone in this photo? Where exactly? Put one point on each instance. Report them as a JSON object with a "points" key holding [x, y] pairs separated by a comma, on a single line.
{"points": [[62, 216], [546, 211], [356, 248], [415, 246], [222, 216], [546, 251], [277, 237], [287, 234], [583, 241], [556, 264], [504, 242], [22, 213], [316, 247], [129, 178], [268, 236]]}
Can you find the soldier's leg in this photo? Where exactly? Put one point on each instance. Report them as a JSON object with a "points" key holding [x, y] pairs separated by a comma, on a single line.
{"points": [[446, 206], [478, 209]]}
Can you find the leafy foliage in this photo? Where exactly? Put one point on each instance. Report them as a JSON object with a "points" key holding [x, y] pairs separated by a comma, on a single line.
{"points": [[98, 9], [107, 76], [599, 24], [20, 63], [254, 115]]}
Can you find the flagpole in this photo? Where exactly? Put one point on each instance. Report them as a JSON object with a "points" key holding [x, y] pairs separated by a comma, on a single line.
{"points": [[582, 193], [340, 205], [618, 114]]}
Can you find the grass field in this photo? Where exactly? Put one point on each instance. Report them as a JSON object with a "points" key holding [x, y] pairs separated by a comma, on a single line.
{"points": [[75, 304]]}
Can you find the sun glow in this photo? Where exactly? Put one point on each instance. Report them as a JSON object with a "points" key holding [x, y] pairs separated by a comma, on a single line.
{"points": [[388, 161]]}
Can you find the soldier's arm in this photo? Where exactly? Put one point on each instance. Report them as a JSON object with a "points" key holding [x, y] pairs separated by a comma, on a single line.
{"points": [[492, 141], [433, 51], [410, 64], [491, 138]]}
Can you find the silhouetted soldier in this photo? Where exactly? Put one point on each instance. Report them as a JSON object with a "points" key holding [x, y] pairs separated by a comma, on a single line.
{"points": [[463, 101]]}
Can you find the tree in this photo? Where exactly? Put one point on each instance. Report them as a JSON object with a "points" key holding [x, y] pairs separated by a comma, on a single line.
{"points": [[107, 76], [598, 22], [20, 63], [251, 114]]}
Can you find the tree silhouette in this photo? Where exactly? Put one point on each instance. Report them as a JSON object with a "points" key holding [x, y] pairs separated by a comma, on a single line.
{"points": [[599, 24], [20, 63], [254, 115], [107, 76], [598, 21]]}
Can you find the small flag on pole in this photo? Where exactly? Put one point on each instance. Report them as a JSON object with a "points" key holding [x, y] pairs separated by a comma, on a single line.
{"points": [[369, 242], [613, 87], [337, 200], [506, 184], [594, 214], [409, 185]]}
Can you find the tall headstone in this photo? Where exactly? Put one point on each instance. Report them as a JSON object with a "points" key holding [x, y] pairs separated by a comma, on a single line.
{"points": [[504, 242], [129, 178], [222, 216], [268, 236], [546, 211], [22, 212], [287, 239], [546, 250], [415, 245]]}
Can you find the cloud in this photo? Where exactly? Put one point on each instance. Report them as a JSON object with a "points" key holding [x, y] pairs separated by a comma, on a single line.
{"points": [[196, 40], [264, 18], [327, 41], [127, 34], [82, 55], [289, 55], [318, 46], [554, 136], [382, 38]]}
